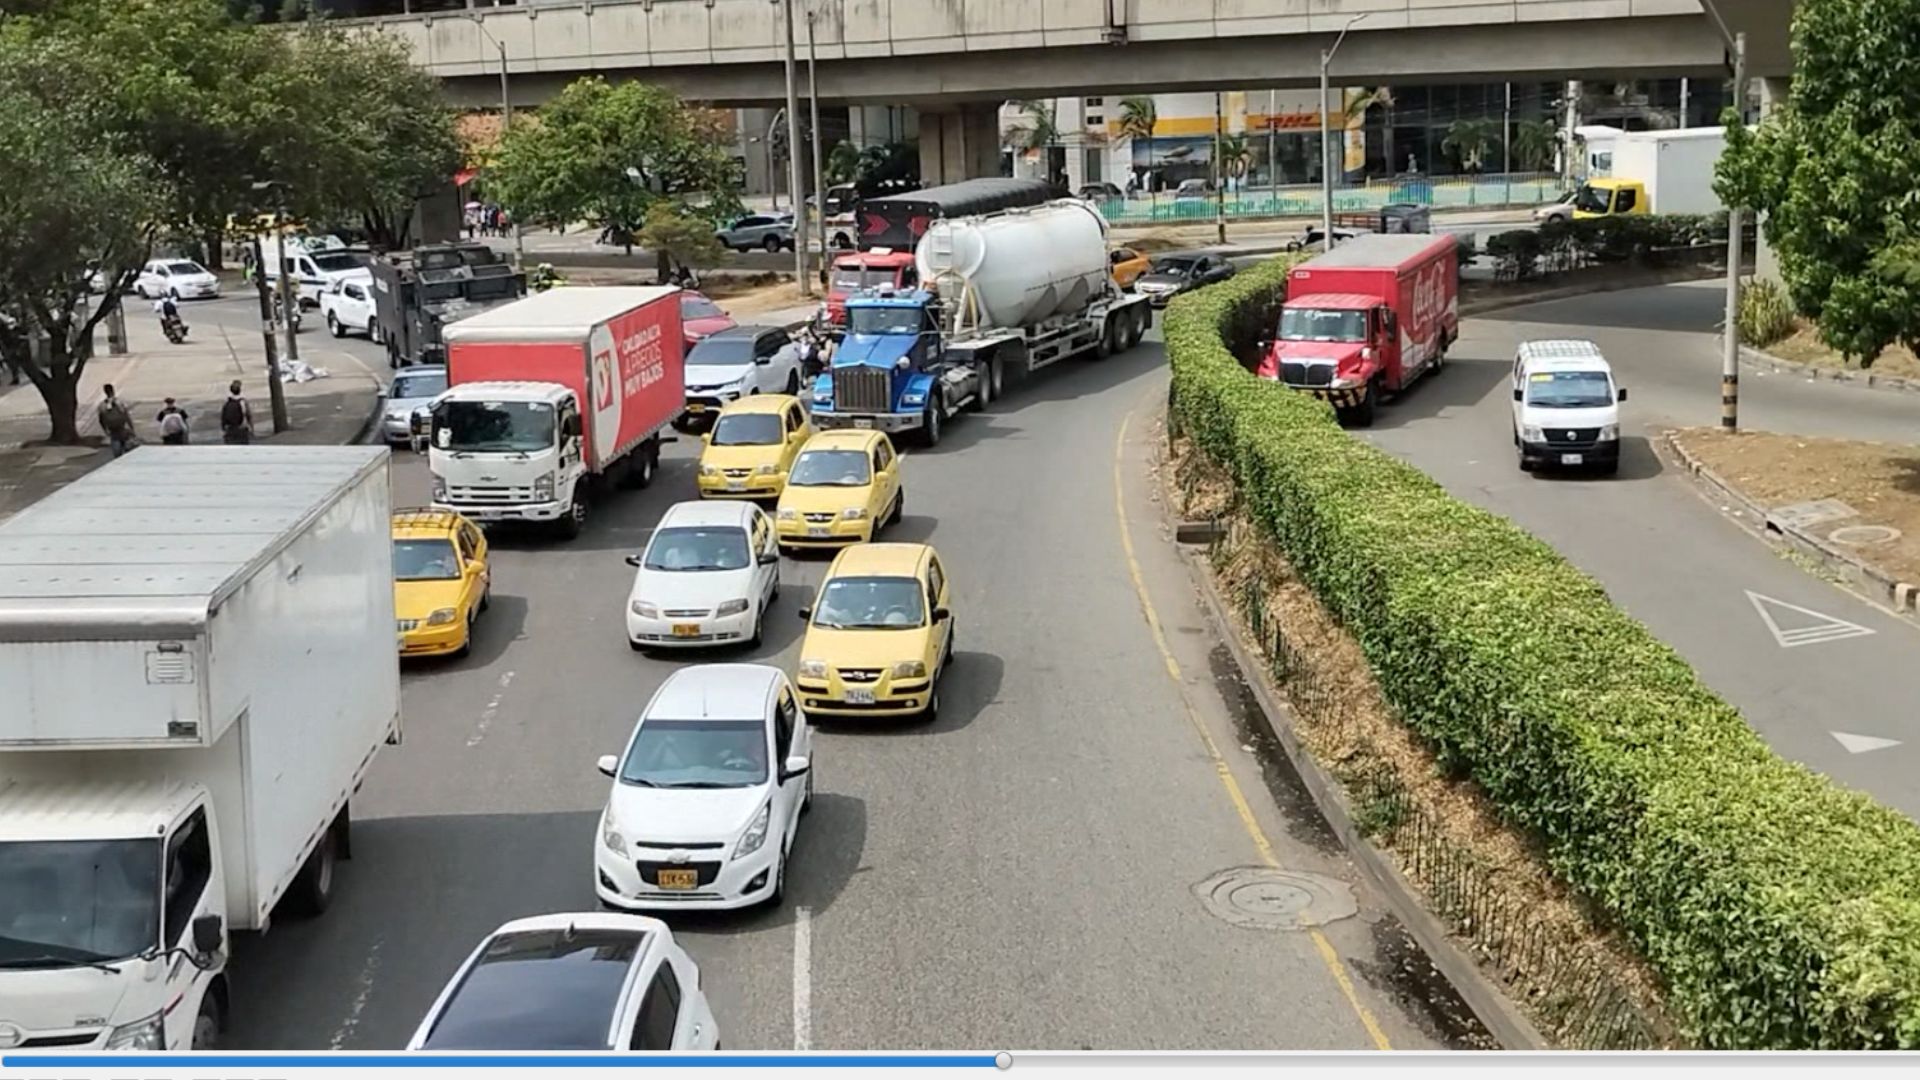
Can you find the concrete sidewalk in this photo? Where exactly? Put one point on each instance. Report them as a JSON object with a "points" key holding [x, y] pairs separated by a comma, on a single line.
{"points": [[331, 410]]}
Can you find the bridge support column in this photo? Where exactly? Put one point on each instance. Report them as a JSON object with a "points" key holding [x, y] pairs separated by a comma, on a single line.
{"points": [[959, 143], [1766, 266]]}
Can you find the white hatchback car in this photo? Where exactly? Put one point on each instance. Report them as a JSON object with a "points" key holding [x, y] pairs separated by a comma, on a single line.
{"points": [[589, 981], [708, 795], [182, 279], [708, 576]]}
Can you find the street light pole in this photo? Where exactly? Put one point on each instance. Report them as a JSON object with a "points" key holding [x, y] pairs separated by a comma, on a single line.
{"points": [[506, 122], [275, 393], [819, 163], [1730, 339], [1326, 139], [289, 291], [793, 162], [1273, 149], [1219, 187]]}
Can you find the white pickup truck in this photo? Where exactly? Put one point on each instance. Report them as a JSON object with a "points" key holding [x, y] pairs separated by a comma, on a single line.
{"points": [[197, 646]]}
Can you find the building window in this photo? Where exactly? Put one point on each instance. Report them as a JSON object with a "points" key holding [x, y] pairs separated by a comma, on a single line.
{"points": [[1095, 120], [1094, 102]]}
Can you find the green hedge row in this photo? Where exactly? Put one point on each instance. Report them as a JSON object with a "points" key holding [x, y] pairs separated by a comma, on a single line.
{"points": [[1782, 911]]}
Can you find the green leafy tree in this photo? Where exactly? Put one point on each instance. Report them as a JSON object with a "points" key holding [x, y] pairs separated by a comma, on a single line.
{"points": [[1534, 143], [1038, 127], [1469, 139], [1138, 117], [607, 153], [1833, 171], [1236, 155], [1376, 97], [843, 163], [676, 235]]}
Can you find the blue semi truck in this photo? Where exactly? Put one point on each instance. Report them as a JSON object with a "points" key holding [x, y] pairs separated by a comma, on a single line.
{"points": [[1001, 294]]}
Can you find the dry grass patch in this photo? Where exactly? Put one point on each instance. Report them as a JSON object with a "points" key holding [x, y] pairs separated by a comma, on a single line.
{"points": [[1804, 346]]}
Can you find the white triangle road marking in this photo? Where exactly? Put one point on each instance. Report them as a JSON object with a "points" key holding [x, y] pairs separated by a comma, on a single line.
{"points": [[1824, 628], [1862, 744]]}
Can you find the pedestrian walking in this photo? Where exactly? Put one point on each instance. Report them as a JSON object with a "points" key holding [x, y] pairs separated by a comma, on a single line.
{"points": [[236, 417], [116, 421], [173, 424]]}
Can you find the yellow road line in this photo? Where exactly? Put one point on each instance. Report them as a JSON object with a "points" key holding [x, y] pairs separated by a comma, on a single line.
{"points": [[1235, 795]]}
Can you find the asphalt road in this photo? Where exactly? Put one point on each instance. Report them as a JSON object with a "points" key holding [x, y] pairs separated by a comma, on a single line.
{"points": [[1020, 874], [1666, 553]]}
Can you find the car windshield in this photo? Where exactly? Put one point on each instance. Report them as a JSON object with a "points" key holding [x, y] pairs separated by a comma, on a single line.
{"points": [[1176, 267], [1569, 389], [1593, 200], [870, 603], [831, 468], [697, 754], [698, 547], [504, 426], [699, 307], [749, 429], [184, 268], [64, 902], [1311, 324], [718, 351], [413, 386], [338, 261], [424, 560], [883, 319], [849, 278]]}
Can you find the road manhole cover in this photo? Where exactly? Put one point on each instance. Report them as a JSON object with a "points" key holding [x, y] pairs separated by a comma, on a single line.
{"points": [[1864, 534], [1260, 898]]}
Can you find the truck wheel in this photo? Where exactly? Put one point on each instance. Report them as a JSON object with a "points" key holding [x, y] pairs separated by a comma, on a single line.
{"points": [[842, 241], [930, 422], [571, 526], [1105, 347], [1363, 412], [996, 373], [312, 889], [646, 465], [208, 1024], [1142, 322]]}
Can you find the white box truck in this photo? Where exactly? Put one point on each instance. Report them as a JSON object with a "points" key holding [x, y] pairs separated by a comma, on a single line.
{"points": [[198, 662], [1655, 172]]}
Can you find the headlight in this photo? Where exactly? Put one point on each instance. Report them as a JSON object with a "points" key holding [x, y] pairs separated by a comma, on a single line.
{"points": [[1530, 433], [149, 1033], [610, 836], [756, 833], [913, 399], [767, 470], [853, 513], [1609, 432], [787, 513], [909, 669], [442, 617], [439, 490], [644, 609], [543, 486], [813, 669], [709, 470], [731, 607]]}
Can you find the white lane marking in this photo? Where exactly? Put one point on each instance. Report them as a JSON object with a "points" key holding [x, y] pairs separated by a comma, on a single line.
{"points": [[1822, 628], [493, 709], [363, 990], [802, 978], [1862, 744]]}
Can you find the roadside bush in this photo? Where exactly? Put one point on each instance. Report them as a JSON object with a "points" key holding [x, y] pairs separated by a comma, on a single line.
{"points": [[1781, 910], [1516, 254], [1765, 315]]}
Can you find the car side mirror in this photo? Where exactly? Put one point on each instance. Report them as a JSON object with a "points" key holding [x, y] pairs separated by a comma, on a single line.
{"points": [[1518, 395], [805, 613], [209, 932], [608, 764], [941, 614], [763, 361], [1623, 393], [795, 766], [706, 438], [633, 560], [769, 558]]}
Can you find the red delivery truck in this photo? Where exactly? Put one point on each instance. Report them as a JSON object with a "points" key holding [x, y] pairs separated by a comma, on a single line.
{"points": [[552, 398], [1365, 320]]}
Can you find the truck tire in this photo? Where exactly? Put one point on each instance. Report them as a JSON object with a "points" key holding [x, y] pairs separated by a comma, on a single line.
{"points": [[312, 889], [646, 465], [930, 422], [1142, 322], [571, 526], [1104, 347], [1363, 413], [209, 1023]]}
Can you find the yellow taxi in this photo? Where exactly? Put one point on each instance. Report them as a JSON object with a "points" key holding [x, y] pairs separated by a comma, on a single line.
{"points": [[441, 581], [879, 634], [1128, 265], [752, 447], [843, 488]]}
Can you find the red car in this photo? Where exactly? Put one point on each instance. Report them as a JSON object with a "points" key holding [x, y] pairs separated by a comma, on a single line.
{"points": [[700, 317]]}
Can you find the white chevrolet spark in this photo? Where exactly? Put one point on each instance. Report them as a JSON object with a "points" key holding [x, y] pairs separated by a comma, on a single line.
{"points": [[708, 794], [707, 577]]}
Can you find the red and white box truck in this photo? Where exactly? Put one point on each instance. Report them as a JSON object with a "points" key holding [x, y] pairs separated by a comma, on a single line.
{"points": [[552, 399]]}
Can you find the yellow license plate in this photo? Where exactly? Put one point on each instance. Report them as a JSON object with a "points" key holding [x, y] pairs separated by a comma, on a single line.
{"points": [[679, 879], [686, 630], [696, 408]]}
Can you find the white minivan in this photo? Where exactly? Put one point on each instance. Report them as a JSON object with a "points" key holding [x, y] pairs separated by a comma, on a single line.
{"points": [[1566, 406]]}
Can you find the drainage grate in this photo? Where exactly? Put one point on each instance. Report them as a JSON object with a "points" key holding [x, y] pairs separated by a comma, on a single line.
{"points": [[1263, 898]]}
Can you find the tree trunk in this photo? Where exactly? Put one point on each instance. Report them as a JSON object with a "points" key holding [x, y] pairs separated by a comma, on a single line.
{"points": [[216, 253], [60, 390], [662, 266]]}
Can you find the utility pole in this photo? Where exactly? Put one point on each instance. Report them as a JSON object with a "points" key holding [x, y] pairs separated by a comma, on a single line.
{"points": [[1566, 141], [1326, 139], [799, 199], [1506, 142], [1730, 337], [275, 392], [1273, 149], [289, 289], [1219, 187], [506, 123], [819, 159]]}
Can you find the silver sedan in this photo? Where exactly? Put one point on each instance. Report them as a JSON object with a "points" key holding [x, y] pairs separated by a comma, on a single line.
{"points": [[412, 387]]}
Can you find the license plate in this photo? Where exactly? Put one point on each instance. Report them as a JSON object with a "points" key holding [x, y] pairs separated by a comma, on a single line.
{"points": [[678, 879], [696, 408], [686, 630], [736, 485], [1571, 459], [859, 697], [863, 422], [816, 530]]}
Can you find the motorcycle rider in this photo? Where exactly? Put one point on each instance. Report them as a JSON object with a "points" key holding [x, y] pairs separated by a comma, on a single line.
{"points": [[170, 322]]}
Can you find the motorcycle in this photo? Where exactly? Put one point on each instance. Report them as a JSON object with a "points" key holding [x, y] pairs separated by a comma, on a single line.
{"points": [[174, 328], [813, 349]]}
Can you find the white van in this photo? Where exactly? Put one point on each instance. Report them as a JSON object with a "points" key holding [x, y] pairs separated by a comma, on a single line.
{"points": [[1566, 406]]}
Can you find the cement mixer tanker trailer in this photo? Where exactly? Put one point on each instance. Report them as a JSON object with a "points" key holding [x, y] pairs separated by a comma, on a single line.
{"points": [[1001, 294]]}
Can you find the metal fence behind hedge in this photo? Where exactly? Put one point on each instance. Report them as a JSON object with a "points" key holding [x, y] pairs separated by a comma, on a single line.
{"points": [[1441, 193]]}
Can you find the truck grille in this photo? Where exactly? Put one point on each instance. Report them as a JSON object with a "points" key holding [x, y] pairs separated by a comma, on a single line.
{"points": [[489, 496], [862, 389], [1294, 373], [1571, 436]]}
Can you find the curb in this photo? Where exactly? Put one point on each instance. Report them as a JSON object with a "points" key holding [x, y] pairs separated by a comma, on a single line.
{"points": [[1902, 597], [1503, 1019], [372, 421], [1758, 358], [1477, 308]]}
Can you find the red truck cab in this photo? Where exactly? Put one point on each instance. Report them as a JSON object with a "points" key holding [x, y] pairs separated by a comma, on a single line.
{"points": [[1365, 320], [853, 271]]}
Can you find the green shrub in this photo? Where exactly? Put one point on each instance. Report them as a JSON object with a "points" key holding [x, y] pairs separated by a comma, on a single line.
{"points": [[1765, 315], [1781, 910]]}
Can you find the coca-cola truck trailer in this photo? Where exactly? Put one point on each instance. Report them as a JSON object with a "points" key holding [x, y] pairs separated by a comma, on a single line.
{"points": [[1365, 320], [550, 397]]}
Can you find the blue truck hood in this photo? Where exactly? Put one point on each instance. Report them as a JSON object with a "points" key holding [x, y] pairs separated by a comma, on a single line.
{"points": [[872, 350]]}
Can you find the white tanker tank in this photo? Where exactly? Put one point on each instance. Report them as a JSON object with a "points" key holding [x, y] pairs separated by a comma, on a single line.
{"points": [[1018, 267]]}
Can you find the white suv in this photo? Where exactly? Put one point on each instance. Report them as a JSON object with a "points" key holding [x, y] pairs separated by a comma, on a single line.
{"points": [[1566, 406]]}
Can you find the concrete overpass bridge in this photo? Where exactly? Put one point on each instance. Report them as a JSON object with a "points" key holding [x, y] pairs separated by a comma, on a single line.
{"points": [[955, 60]]}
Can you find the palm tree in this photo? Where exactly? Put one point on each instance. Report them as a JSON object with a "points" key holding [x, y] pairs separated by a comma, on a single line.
{"points": [[1037, 129], [1236, 157], [1534, 142], [1358, 108], [1138, 118], [1469, 139]]}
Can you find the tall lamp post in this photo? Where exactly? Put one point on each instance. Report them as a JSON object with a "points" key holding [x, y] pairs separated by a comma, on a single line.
{"points": [[1326, 138], [796, 188], [506, 121], [1730, 335], [819, 162], [276, 393]]}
